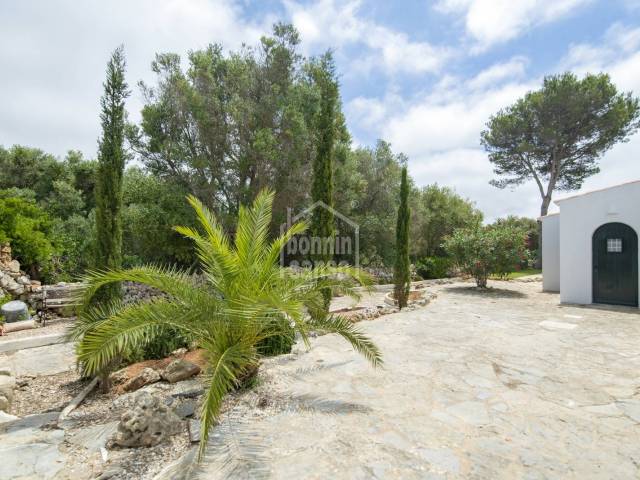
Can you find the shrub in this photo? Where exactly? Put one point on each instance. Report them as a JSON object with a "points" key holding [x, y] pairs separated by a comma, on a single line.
{"points": [[29, 231], [484, 251], [434, 267], [165, 341]]}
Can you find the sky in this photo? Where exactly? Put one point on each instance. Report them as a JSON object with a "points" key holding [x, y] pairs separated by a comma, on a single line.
{"points": [[423, 75]]}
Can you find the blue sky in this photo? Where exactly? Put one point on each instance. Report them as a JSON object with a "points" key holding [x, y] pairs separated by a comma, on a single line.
{"points": [[424, 75]]}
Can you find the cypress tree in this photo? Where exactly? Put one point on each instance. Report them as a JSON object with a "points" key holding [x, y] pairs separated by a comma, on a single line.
{"points": [[322, 221], [111, 161], [401, 271]]}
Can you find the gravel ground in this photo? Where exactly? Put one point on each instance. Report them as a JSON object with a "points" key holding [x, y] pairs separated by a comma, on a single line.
{"points": [[45, 394]]}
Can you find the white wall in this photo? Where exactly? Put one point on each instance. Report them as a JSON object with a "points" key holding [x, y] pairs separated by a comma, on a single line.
{"points": [[581, 216], [551, 253]]}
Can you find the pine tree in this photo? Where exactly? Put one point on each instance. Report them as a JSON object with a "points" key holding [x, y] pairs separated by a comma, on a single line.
{"points": [[401, 273], [111, 161], [322, 221]]}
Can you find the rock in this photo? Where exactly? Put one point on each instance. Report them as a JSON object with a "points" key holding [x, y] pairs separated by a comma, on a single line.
{"points": [[179, 353], [186, 409], [15, 311], [94, 437], [184, 468], [6, 417], [180, 370], [194, 431], [145, 377], [13, 266], [188, 389], [7, 385], [148, 423], [119, 376], [111, 472], [23, 280], [15, 288], [30, 448]]}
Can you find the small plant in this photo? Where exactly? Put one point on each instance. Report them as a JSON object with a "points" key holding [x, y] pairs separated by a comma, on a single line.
{"points": [[247, 299], [485, 251], [4, 299]]}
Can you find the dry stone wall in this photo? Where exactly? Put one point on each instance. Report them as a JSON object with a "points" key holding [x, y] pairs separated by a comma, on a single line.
{"points": [[13, 281]]}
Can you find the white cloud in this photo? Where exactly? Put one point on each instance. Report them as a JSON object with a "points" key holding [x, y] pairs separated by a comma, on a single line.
{"points": [[440, 131], [53, 57], [511, 70], [453, 118], [490, 22], [331, 24], [441, 135], [618, 54]]}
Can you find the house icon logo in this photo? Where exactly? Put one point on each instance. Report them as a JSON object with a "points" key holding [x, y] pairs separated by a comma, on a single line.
{"points": [[307, 250]]}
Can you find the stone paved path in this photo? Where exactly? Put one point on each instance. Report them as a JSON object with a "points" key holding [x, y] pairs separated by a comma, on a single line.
{"points": [[46, 360], [487, 386]]}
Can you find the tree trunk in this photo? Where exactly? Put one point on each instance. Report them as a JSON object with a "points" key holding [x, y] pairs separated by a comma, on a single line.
{"points": [[544, 209], [105, 382]]}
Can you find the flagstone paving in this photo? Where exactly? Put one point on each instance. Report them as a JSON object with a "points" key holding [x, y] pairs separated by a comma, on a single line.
{"points": [[498, 385]]}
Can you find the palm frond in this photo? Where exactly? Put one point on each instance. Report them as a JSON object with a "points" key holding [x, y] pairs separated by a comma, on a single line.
{"points": [[347, 330], [229, 359], [272, 253], [252, 231], [128, 328], [168, 280]]}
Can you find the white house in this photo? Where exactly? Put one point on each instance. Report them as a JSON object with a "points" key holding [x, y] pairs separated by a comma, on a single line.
{"points": [[590, 248]]}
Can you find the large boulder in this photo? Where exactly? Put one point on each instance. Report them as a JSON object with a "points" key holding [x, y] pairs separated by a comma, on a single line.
{"points": [[180, 370], [147, 423], [145, 377]]}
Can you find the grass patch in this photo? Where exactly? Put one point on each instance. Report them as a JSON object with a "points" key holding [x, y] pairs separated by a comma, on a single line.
{"points": [[517, 274]]}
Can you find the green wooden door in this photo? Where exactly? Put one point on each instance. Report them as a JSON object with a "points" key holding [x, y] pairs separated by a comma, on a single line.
{"points": [[615, 265]]}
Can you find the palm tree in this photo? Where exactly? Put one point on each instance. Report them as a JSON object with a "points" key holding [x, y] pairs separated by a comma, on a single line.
{"points": [[246, 297]]}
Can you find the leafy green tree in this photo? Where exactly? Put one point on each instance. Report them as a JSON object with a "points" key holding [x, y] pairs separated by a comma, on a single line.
{"points": [[402, 271], [151, 207], [556, 135], [28, 229], [438, 211], [64, 200], [83, 174], [75, 240], [367, 189], [111, 161], [247, 297], [30, 168], [232, 124], [486, 250]]}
